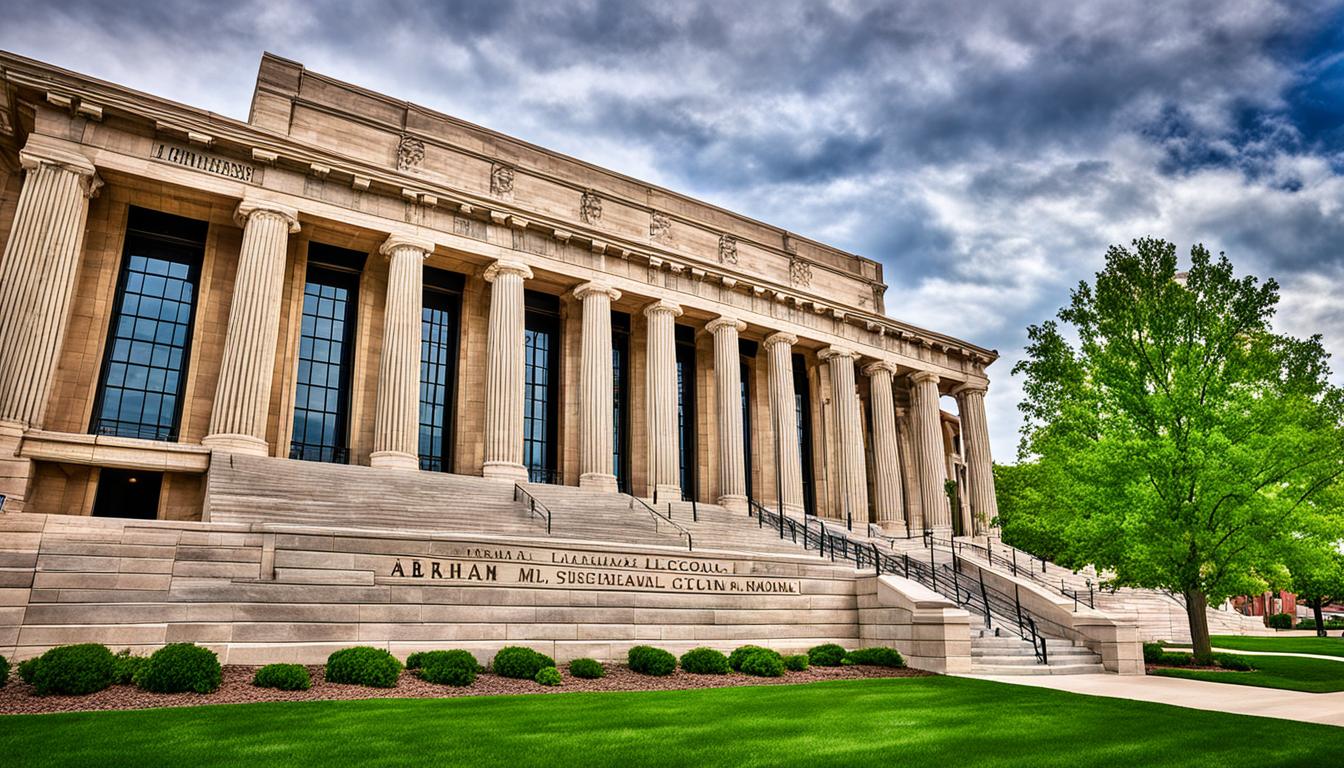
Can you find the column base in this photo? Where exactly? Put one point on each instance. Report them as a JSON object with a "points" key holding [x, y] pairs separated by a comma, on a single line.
{"points": [[665, 493], [243, 444], [504, 471], [598, 481], [14, 469], [394, 460], [894, 528], [733, 502]]}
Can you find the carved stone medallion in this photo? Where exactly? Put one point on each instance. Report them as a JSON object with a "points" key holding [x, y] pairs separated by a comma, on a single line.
{"points": [[800, 273], [660, 227], [501, 180], [727, 249], [410, 153], [590, 207]]}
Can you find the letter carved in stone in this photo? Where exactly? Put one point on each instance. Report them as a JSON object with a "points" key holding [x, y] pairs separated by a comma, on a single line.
{"points": [[410, 153], [660, 227], [590, 207], [727, 249], [800, 272], [501, 181]]}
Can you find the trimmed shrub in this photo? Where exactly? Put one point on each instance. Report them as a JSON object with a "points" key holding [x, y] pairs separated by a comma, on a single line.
{"points": [[827, 655], [763, 663], [73, 670], [457, 658], [180, 668], [647, 660], [704, 661], [736, 658], [1152, 652], [126, 667], [1233, 662], [283, 677], [588, 669], [363, 665], [1170, 659], [548, 676], [877, 656], [520, 663], [796, 663], [28, 670], [4, 671], [456, 668], [1281, 621]]}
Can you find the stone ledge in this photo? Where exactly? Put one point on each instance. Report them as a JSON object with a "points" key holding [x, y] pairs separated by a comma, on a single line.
{"points": [[120, 452]]}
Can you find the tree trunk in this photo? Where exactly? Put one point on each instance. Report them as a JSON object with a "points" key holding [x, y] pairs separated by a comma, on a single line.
{"points": [[1320, 617], [1196, 609]]}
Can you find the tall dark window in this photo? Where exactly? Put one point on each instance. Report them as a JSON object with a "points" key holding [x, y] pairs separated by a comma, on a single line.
{"points": [[439, 329], [541, 381], [748, 352], [326, 352], [145, 364], [620, 402], [685, 336], [803, 408]]}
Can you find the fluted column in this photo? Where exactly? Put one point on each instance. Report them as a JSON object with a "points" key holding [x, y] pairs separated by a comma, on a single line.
{"points": [[929, 450], [914, 516], [504, 373], [728, 383], [784, 422], [243, 394], [979, 463], [396, 422], [596, 466], [886, 456], [850, 466], [37, 276], [664, 438]]}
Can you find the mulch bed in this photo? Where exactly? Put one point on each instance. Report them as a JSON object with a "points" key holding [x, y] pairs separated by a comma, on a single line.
{"points": [[18, 697]]}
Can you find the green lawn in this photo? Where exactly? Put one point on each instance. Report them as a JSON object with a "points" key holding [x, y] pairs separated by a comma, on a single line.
{"points": [[934, 721], [1325, 646], [1296, 674]]}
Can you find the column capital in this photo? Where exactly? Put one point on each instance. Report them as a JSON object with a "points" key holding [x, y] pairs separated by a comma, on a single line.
{"points": [[781, 338], [507, 267], [719, 323], [250, 207], [663, 305], [879, 366], [48, 150], [595, 287], [919, 377], [397, 240], [834, 351], [970, 387]]}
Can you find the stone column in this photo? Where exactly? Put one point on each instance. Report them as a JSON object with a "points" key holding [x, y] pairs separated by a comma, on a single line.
{"points": [[664, 439], [784, 422], [975, 447], [850, 467], [728, 382], [595, 388], [396, 423], [243, 394], [929, 451], [37, 284], [914, 517], [504, 373], [886, 455]]}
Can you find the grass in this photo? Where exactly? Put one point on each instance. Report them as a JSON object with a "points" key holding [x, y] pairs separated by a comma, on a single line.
{"points": [[1324, 646], [1288, 672], [926, 721]]}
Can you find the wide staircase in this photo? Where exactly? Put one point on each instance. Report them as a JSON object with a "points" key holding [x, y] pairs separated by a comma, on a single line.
{"points": [[1003, 653]]}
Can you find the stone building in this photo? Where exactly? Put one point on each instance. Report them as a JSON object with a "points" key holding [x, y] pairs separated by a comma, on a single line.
{"points": [[352, 279], [352, 370]]}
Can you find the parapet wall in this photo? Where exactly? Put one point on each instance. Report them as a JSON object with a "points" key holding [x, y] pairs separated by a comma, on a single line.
{"points": [[258, 594]]}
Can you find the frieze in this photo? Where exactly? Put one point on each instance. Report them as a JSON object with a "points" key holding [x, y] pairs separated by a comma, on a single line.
{"points": [[207, 162]]}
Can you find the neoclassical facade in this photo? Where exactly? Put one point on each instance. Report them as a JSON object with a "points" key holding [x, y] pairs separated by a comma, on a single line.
{"points": [[348, 278]]}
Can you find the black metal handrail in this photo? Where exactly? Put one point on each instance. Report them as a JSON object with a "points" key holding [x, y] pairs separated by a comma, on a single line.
{"points": [[532, 505], [690, 543], [1028, 571]]}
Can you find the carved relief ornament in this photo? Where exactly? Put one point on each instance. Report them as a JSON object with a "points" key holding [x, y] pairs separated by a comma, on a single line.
{"points": [[590, 207], [727, 249], [501, 180], [800, 272], [410, 153], [660, 227]]}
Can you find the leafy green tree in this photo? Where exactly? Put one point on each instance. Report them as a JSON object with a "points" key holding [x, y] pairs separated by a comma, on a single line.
{"points": [[1179, 441], [1316, 568]]}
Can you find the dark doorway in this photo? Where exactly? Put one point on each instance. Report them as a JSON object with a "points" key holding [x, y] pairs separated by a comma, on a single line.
{"points": [[685, 347], [620, 377], [128, 493], [748, 353], [803, 406]]}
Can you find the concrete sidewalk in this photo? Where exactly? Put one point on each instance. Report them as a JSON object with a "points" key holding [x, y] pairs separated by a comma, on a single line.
{"points": [[1325, 708], [1264, 653]]}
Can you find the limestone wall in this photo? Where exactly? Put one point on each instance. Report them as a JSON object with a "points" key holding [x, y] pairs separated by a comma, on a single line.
{"points": [[257, 594]]}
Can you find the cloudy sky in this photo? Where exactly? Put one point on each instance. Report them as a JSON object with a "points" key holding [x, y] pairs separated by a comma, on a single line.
{"points": [[985, 153]]}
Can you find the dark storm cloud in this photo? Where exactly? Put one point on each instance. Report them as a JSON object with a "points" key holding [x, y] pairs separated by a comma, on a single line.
{"points": [[985, 153]]}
